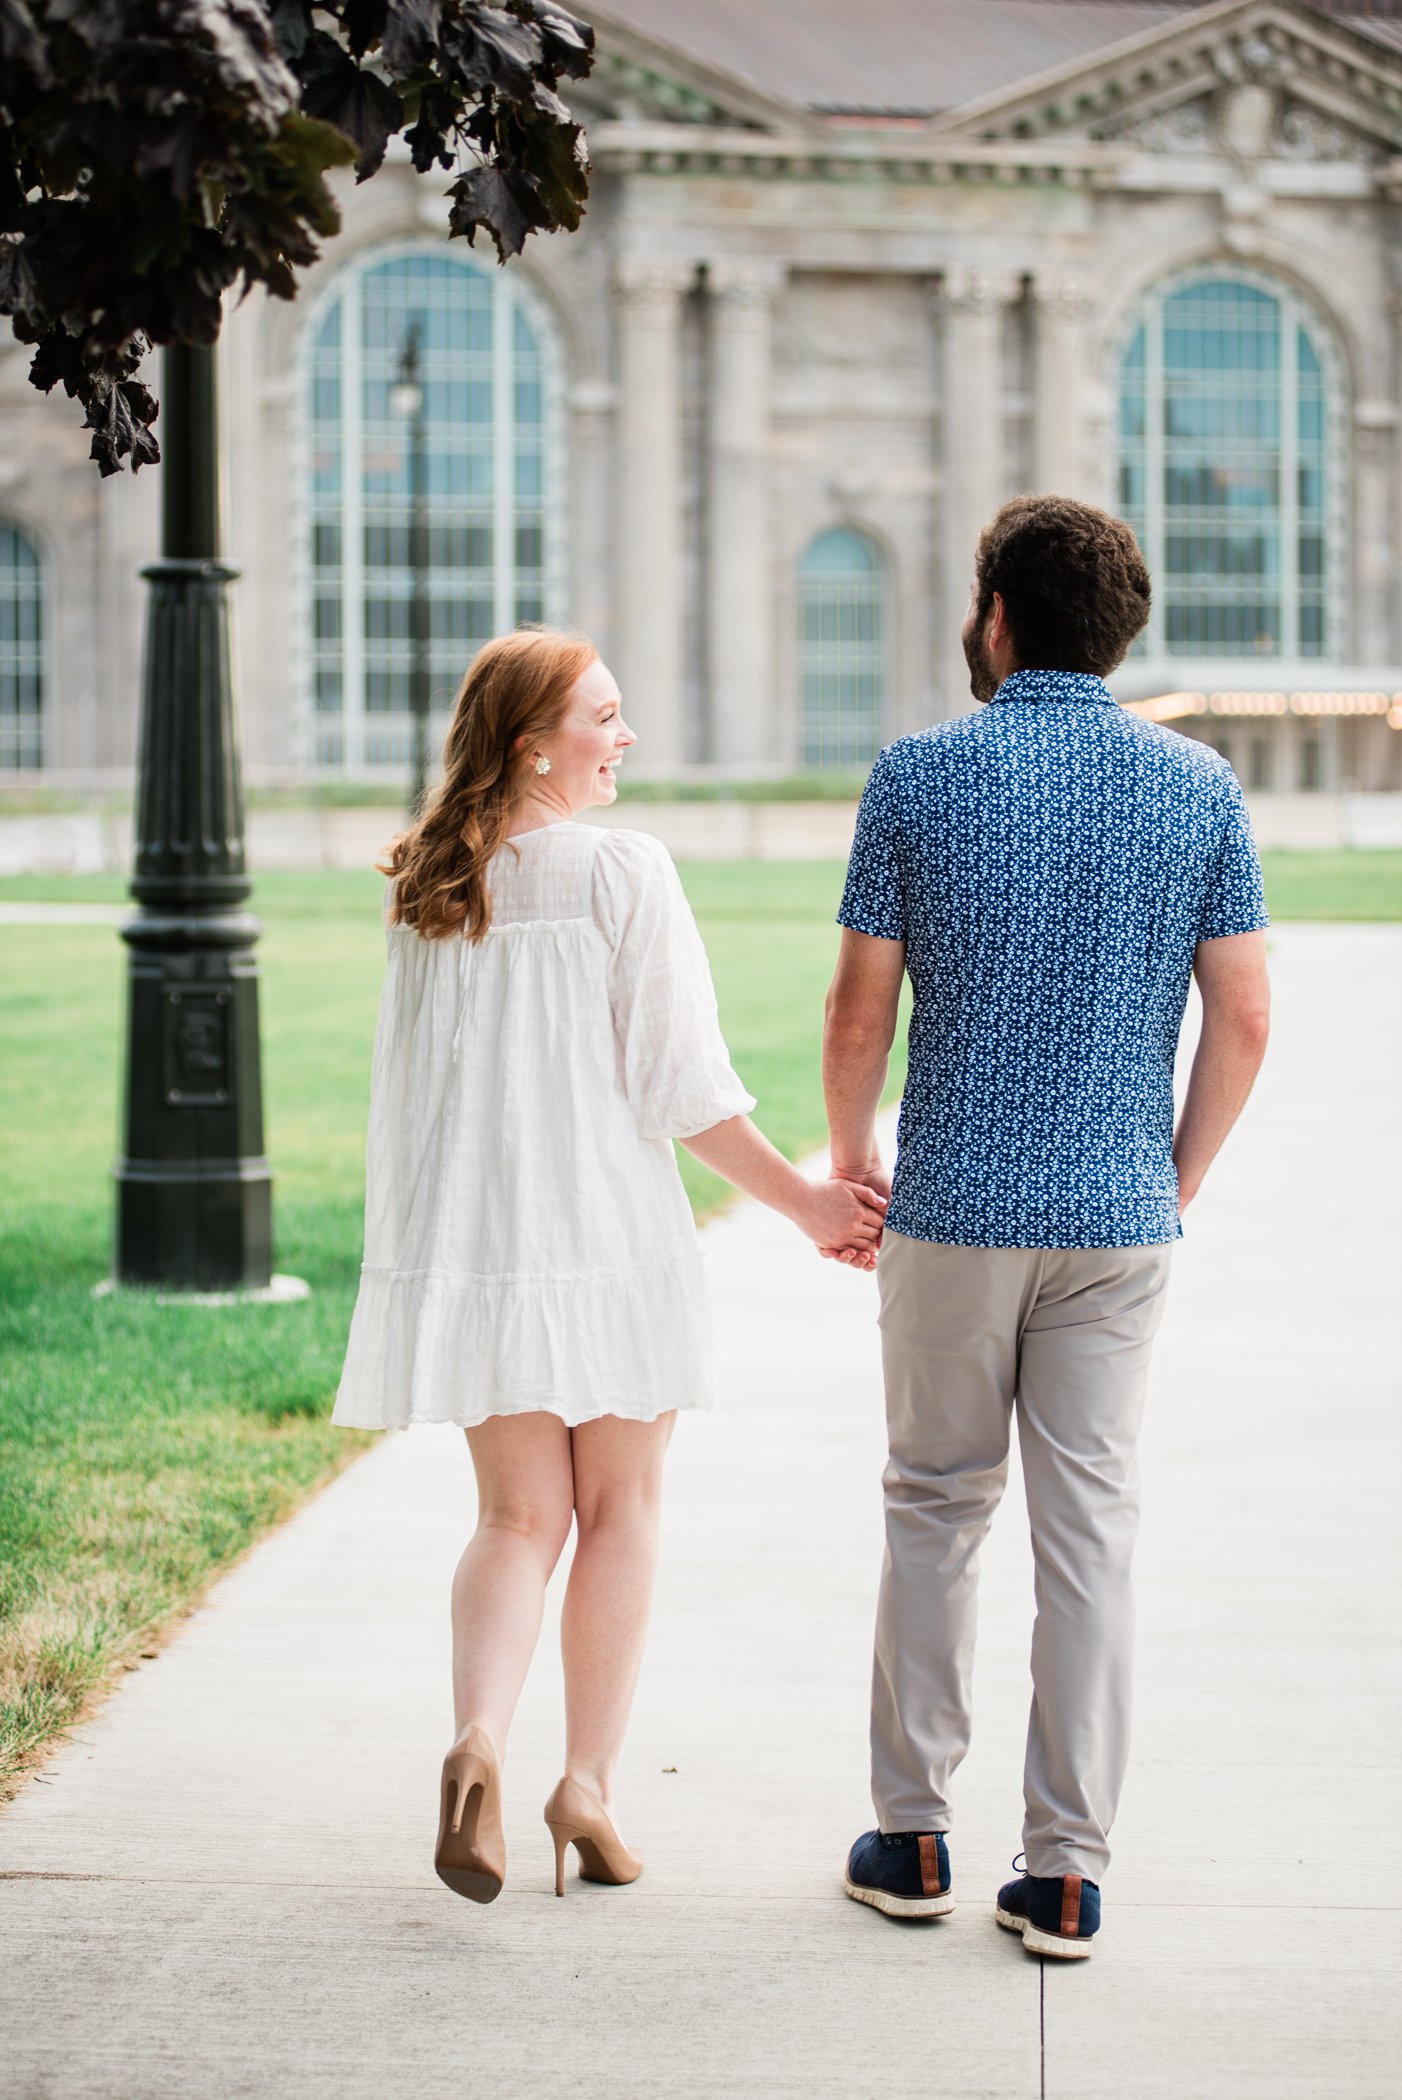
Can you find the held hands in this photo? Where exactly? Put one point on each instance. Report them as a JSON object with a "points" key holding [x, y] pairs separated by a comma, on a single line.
{"points": [[848, 1214]]}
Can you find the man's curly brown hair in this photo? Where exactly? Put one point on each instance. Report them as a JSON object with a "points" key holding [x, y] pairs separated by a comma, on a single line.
{"points": [[1073, 583]]}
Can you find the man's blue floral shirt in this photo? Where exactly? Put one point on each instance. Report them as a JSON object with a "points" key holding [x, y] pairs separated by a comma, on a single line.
{"points": [[1051, 863]]}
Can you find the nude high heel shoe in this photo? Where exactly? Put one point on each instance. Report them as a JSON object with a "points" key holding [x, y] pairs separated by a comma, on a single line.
{"points": [[470, 1855], [576, 1816]]}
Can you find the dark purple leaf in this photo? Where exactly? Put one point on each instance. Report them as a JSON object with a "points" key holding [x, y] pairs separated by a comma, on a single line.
{"points": [[292, 25], [434, 110], [549, 104], [356, 102], [20, 43], [364, 24], [504, 203], [492, 49], [120, 426], [569, 42], [410, 35]]}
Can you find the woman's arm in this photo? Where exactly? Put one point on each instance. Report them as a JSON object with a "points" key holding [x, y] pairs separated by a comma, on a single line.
{"points": [[834, 1214]]}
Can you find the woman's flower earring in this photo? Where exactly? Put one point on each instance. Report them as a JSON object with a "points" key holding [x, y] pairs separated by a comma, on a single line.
{"points": [[542, 765]]}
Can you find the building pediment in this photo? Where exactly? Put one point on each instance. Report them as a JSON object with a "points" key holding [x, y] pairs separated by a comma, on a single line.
{"points": [[640, 79], [1244, 79]]}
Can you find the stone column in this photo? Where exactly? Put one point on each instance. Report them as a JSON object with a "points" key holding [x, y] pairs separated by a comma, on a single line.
{"points": [[1392, 561], [1063, 306], [593, 404], [738, 581], [648, 296], [971, 304], [1377, 573]]}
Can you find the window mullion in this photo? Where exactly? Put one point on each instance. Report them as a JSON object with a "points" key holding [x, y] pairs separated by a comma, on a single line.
{"points": [[352, 529], [1289, 487], [1155, 410], [503, 459]]}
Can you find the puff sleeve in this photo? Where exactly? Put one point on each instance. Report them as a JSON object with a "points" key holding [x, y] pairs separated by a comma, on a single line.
{"points": [[675, 1065]]}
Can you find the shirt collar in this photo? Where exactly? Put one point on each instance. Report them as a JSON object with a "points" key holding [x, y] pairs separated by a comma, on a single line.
{"points": [[1056, 685]]}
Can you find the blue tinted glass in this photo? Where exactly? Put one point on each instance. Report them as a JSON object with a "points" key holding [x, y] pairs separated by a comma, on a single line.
{"points": [[449, 307], [834, 553], [523, 335], [1214, 521]]}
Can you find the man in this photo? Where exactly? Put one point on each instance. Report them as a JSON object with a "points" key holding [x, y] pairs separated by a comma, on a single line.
{"points": [[1049, 871]]}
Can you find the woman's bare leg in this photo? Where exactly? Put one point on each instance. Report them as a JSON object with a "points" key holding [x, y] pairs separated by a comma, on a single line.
{"points": [[525, 1494], [617, 1501]]}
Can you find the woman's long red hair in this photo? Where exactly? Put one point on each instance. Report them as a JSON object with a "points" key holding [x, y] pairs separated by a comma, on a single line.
{"points": [[514, 696]]}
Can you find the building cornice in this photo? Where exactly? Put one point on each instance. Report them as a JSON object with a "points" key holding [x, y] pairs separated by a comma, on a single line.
{"points": [[631, 149], [622, 147]]}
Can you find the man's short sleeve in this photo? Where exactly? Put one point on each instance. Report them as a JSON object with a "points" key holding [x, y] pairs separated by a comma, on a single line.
{"points": [[1235, 899], [874, 899]]}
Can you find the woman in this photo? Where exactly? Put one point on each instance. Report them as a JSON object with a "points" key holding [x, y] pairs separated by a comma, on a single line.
{"points": [[531, 1270]]}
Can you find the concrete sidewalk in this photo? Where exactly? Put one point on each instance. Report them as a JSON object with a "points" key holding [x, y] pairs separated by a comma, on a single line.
{"points": [[225, 1888]]}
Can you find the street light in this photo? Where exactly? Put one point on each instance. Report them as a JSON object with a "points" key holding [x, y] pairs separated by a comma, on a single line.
{"points": [[406, 400], [194, 1188]]}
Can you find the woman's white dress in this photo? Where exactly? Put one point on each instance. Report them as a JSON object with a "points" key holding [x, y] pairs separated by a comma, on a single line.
{"points": [[528, 1242]]}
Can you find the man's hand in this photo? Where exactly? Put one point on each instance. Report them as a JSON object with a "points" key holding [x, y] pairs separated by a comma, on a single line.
{"points": [[844, 1217], [872, 1175], [876, 1179]]}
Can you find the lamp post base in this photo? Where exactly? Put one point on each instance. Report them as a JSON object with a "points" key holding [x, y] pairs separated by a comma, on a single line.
{"points": [[280, 1290]]}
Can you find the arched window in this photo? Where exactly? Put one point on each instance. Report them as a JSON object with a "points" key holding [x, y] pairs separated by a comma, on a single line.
{"points": [[21, 651], [1227, 471], [494, 503], [842, 649]]}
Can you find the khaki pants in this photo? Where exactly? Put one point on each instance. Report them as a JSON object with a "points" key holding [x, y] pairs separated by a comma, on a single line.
{"points": [[968, 1335]]}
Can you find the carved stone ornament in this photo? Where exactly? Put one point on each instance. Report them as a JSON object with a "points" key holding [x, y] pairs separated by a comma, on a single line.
{"points": [[967, 292], [1248, 121], [652, 282], [733, 282], [849, 493], [1063, 295], [1185, 129], [1306, 134], [1251, 122]]}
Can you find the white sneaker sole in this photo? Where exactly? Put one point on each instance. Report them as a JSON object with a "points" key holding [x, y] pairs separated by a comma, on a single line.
{"points": [[900, 1906], [1038, 1942]]}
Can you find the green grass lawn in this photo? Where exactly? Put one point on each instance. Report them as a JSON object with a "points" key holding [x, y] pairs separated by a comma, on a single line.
{"points": [[144, 1447]]}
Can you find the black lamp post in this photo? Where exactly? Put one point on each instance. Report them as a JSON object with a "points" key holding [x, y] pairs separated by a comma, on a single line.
{"points": [[407, 400], [194, 1190]]}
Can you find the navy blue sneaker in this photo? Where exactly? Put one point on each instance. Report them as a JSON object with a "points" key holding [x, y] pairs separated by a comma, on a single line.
{"points": [[1056, 1914], [904, 1872]]}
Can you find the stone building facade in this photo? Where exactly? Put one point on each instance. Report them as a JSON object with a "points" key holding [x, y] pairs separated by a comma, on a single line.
{"points": [[849, 277]]}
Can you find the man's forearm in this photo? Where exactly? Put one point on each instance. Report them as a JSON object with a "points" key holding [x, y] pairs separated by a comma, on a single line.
{"points": [[1228, 1057], [855, 1063]]}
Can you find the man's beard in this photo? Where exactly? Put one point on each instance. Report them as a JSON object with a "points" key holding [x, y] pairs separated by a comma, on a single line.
{"points": [[983, 681]]}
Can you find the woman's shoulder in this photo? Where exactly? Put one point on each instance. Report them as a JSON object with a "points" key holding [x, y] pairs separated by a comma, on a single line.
{"points": [[629, 862], [630, 867], [636, 850]]}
